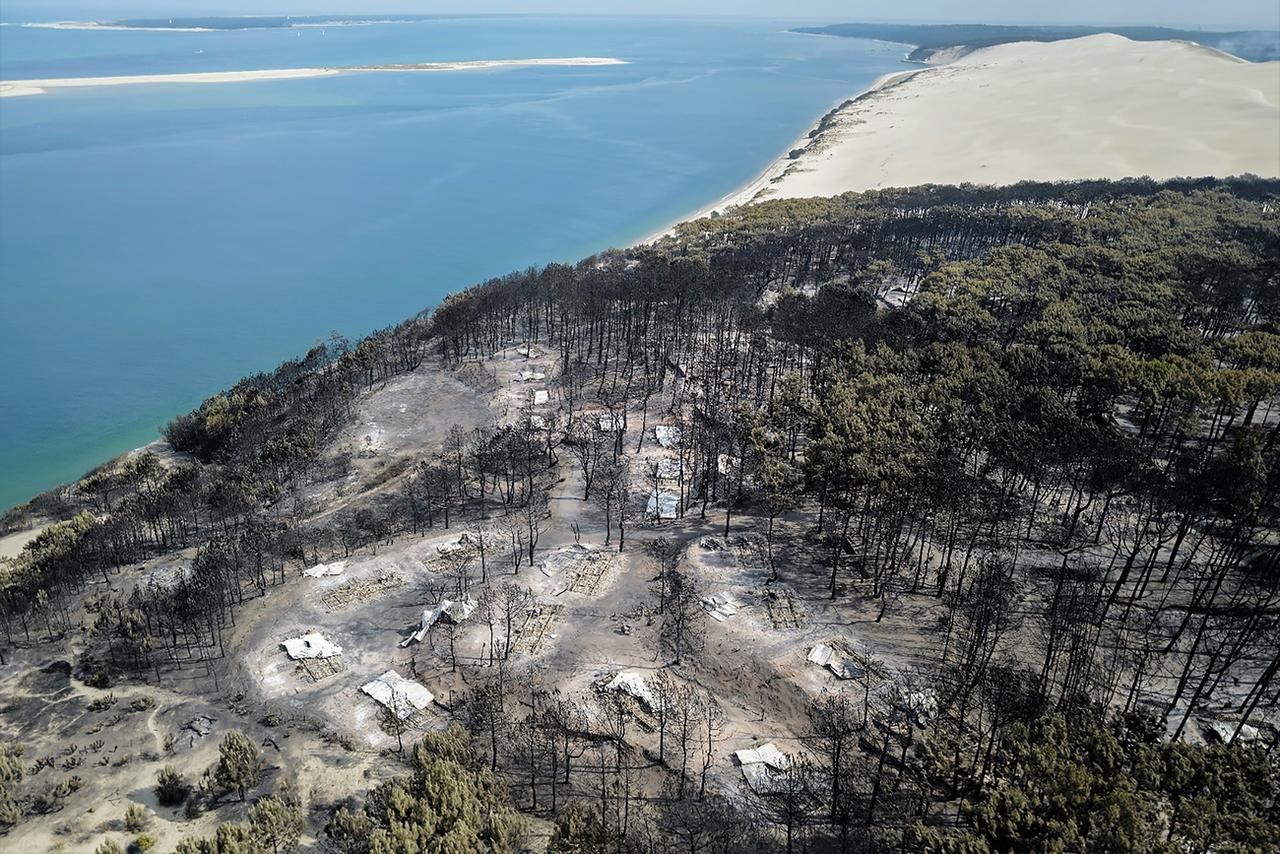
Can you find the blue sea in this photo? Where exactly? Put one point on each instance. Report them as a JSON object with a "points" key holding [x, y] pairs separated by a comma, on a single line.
{"points": [[158, 242]]}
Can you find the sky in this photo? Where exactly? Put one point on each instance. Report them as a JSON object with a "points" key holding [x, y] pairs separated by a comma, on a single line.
{"points": [[1219, 14]]}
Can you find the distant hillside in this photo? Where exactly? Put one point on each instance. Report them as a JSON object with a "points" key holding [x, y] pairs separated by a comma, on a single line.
{"points": [[1253, 45]]}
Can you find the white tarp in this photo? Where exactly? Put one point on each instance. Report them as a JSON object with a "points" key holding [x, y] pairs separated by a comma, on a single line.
{"points": [[540, 397], [662, 504], [453, 611], [313, 645], [667, 436], [721, 606], [668, 469], [611, 423], [322, 569], [529, 376], [398, 694], [633, 683]]}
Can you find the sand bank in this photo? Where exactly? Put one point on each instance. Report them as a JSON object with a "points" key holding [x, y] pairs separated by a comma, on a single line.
{"points": [[10, 88], [1095, 107], [94, 25]]}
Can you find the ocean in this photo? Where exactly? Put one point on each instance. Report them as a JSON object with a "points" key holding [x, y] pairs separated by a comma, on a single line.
{"points": [[158, 242]]}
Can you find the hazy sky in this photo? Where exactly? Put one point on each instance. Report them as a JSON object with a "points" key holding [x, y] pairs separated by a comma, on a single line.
{"points": [[1218, 14]]}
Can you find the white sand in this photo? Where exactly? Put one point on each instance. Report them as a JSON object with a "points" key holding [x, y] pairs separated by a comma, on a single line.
{"points": [[94, 25], [11, 88], [1095, 107], [11, 545]]}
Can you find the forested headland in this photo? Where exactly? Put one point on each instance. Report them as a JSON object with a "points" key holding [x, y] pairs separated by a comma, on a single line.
{"points": [[1018, 444], [928, 39]]}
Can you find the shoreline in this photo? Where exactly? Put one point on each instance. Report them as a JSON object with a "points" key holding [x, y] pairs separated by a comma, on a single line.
{"points": [[777, 167], [20, 88], [995, 116]]}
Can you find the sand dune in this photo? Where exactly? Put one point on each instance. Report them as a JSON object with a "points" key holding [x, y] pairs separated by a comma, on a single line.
{"points": [[1095, 107], [10, 88]]}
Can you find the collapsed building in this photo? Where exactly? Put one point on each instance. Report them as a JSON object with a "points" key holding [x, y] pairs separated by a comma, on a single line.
{"points": [[764, 767], [400, 696], [839, 661], [721, 606], [662, 505], [634, 684], [453, 611], [312, 645], [667, 436], [322, 569]]}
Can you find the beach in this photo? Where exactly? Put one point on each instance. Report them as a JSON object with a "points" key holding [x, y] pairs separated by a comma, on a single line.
{"points": [[1096, 107], [13, 88]]}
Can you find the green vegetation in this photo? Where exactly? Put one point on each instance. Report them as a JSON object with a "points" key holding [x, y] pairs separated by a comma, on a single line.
{"points": [[1070, 783], [171, 787], [136, 818], [274, 827], [448, 803], [1034, 425], [239, 767]]}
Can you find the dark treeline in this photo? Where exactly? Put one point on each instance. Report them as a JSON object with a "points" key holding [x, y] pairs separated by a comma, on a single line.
{"points": [[1048, 408], [1253, 45]]}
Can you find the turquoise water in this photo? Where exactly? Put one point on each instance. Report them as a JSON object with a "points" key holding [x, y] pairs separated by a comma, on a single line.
{"points": [[158, 242]]}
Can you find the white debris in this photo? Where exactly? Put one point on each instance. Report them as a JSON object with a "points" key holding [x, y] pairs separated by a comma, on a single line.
{"points": [[668, 469], [761, 780], [1226, 732], [453, 611], [923, 706], [167, 577], [611, 423], [527, 375], [821, 654], [721, 606], [464, 542], [726, 464], [663, 505], [401, 696], [313, 645], [541, 396], [667, 436], [763, 767], [323, 569], [633, 683], [529, 351], [836, 661], [537, 422], [768, 753]]}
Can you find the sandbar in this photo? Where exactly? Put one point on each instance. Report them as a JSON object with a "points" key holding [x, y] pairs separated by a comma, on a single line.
{"points": [[12, 88]]}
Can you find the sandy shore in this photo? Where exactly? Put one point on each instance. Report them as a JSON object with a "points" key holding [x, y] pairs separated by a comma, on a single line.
{"points": [[1096, 107], [11, 545], [12, 88]]}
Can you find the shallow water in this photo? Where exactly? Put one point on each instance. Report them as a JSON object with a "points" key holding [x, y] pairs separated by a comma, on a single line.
{"points": [[158, 242]]}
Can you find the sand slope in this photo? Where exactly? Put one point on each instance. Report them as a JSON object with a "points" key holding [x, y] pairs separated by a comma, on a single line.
{"points": [[1096, 107]]}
